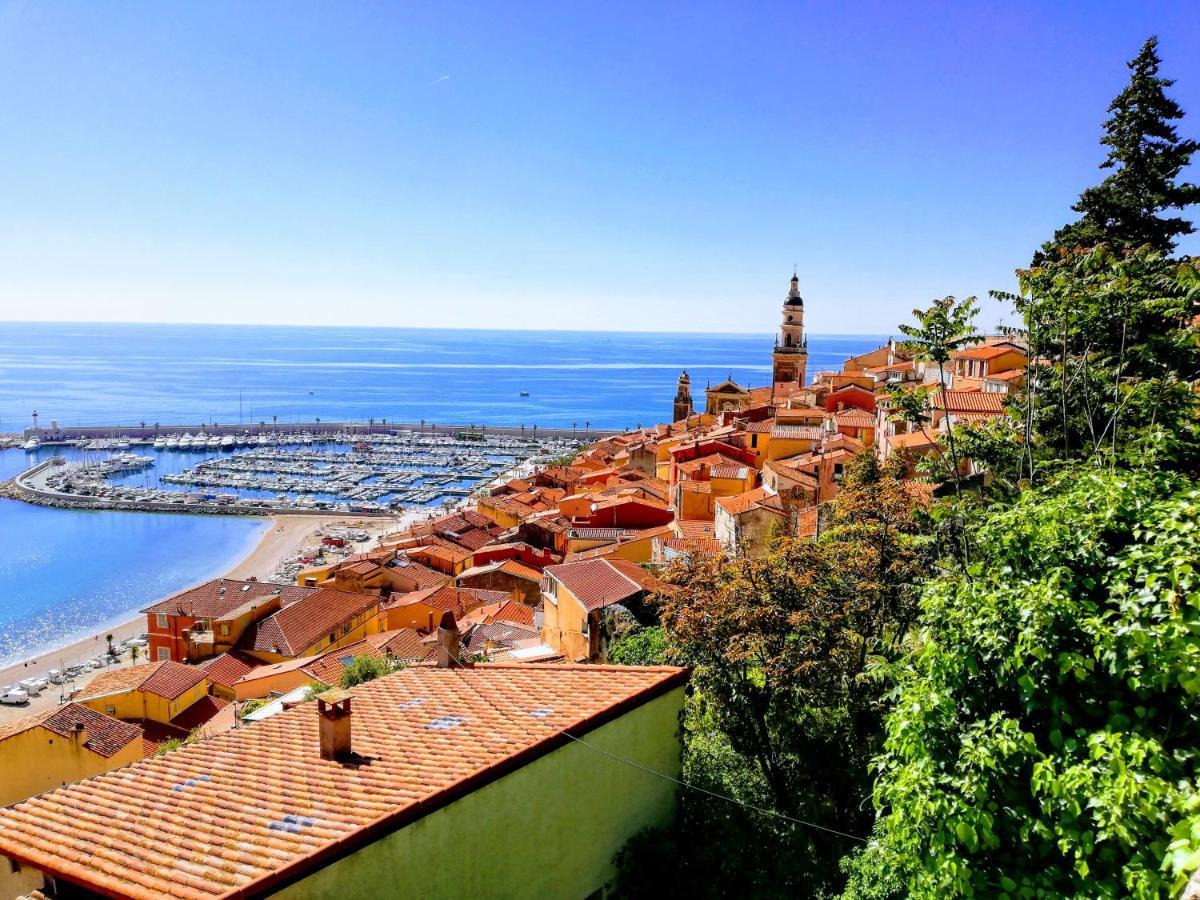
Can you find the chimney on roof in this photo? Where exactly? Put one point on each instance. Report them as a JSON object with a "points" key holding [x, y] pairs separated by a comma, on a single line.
{"points": [[79, 732], [449, 647], [333, 713]]}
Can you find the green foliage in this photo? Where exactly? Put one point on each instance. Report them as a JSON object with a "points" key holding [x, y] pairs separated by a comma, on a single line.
{"points": [[314, 688], [790, 653], [639, 647], [1043, 740], [1146, 157], [363, 669], [1116, 341], [169, 746], [251, 705]]}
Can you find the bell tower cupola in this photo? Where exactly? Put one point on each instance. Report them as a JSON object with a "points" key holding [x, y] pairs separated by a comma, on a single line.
{"points": [[790, 358], [683, 398]]}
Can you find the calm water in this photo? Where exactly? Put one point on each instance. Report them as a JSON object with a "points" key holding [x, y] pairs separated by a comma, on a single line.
{"points": [[66, 572]]}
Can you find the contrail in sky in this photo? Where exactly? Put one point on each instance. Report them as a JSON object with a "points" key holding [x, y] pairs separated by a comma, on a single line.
{"points": [[438, 80]]}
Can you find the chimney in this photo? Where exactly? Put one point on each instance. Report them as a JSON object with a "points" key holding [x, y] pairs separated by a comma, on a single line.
{"points": [[79, 731], [333, 710], [449, 647]]}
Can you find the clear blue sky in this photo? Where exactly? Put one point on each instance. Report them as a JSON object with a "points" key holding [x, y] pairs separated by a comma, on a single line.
{"points": [[640, 166]]}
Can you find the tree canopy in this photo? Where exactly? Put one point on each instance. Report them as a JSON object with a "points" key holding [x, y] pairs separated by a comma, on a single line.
{"points": [[1145, 157]]}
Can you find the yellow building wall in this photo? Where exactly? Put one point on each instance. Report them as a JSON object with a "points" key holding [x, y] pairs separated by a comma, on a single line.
{"points": [[786, 448], [501, 517], [549, 829], [694, 504], [141, 705], [277, 683], [562, 624], [39, 760]]}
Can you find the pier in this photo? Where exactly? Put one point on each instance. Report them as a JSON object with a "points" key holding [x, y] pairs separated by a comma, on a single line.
{"points": [[148, 431]]}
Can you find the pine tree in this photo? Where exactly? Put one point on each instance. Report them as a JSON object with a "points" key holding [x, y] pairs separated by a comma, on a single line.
{"points": [[1146, 156]]}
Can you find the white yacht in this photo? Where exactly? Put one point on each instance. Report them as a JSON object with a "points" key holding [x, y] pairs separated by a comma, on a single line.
{"points": [[228, 442], [31, 444], [185, 442], [214, 443], [172, 443], [160, 443]]}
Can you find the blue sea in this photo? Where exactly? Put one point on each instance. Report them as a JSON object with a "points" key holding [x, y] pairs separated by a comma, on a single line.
{"points": [[65, 572]]}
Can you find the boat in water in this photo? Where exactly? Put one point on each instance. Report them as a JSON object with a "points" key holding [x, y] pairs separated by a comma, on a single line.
{"points": [[31, 445], [523, 394], [228, 442], [160, 443]]}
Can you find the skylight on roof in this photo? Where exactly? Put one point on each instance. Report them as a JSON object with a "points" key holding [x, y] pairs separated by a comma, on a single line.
{"points": [[415, 701], [542, 712], [445, 723], [346, 660]]}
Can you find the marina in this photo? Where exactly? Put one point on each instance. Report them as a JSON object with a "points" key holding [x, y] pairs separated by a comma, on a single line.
{"points": [[337, 472]]}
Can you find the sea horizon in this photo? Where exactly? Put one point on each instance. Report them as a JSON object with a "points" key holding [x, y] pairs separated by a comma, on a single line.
{"points": [[72, 572]]}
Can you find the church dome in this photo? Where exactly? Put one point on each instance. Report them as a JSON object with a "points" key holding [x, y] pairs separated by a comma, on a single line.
{"points": [[793, 297]]}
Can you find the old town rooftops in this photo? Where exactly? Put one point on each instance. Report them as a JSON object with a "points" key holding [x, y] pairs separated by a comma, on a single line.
{"points": [[256, 808], [221, 596], [106, 736], [294, 628], [597, 583], [166, 679]]}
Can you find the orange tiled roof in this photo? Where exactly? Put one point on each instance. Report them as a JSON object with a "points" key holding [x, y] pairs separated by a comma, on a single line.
{"points": [[597, 583], [402, 643], [968, 401], [106, 736], [520, 570], [294, 628], [168, 679], [695, 528], [912, 440], [328, 667], [988, 352], [221, 596], [758, 498], [852, 417], [218, 817]]}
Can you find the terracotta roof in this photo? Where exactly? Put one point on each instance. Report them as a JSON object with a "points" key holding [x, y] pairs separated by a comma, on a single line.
{"points": [[168, 679], [968, 401], [328, 667], [227, 668], [251, 809], [450, 599], [796, 432], [853, 417], [759, 498], [695, 528], [1009, 375], [501, 634], [739, 472], [401, 643], [912, 440], [221, 596], [989, 352], [200, 713], [293, 629], [597, 583], [474, 539], [418, 572], [520, 570], [106, 735], [696, 546]]}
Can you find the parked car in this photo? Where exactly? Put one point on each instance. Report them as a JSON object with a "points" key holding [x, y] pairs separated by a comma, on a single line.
{"points": [[15, 697]]}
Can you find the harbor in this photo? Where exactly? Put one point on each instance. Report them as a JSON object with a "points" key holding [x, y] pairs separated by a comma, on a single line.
{"points": [[335, 472]]}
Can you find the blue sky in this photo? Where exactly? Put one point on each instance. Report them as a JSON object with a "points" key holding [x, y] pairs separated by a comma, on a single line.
{"points": [[640, 166]]}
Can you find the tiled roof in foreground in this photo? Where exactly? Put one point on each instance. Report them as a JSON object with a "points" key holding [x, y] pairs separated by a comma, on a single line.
{"points": [[256, 808]]}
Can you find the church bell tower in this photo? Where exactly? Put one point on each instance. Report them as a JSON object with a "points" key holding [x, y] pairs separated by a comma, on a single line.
{"points": [[790, 358], [683, 398]]}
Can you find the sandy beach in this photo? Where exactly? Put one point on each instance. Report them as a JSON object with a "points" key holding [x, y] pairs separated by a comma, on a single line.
{"points": [[284, 538]]}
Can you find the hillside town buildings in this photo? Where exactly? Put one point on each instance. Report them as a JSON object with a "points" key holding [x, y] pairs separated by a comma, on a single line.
{"points": [[530, 584]]}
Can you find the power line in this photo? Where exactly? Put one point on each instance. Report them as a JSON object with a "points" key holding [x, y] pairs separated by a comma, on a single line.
{"points": [[655, 772]]}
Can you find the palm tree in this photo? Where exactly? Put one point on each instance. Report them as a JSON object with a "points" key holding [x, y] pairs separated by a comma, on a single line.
{"points": [[573, 430], [109, 638], [947, 325], [134, 653], [586, 428]]}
